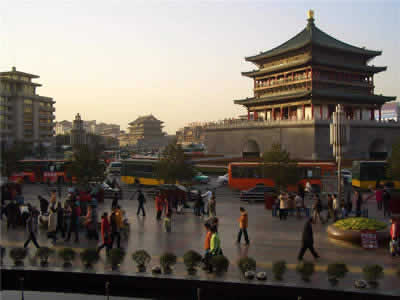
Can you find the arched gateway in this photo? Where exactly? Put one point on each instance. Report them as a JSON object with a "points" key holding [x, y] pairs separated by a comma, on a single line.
{"points": [[251, 149]]}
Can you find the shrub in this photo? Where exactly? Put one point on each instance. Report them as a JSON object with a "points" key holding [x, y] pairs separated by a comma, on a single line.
{"points": [[44, 253], [372, 273], [67, 255], [220, 264], [18, 255], [336, 271], [306, 269], [142, 259], [116, 256], [247, 264], [191, 259], [167, 260], [89, 256], [279, 268]]}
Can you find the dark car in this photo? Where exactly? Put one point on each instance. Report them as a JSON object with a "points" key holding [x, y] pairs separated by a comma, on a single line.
{"points": [[256, 193]]}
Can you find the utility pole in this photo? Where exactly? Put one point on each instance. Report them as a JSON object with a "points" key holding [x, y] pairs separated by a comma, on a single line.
{"points": [[338, 140]]}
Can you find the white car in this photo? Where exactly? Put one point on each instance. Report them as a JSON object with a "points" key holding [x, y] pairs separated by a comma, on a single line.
{"points": [[114, 167], [222, 180]]}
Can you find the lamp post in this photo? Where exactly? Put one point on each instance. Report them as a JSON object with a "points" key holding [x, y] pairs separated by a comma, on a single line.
{"points": [[338, 139]]}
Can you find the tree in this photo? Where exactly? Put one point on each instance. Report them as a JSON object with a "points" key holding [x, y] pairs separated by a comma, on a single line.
{"points": [[278, 166], [393, 166], [86, 165], [172, 166], [10, 155]]}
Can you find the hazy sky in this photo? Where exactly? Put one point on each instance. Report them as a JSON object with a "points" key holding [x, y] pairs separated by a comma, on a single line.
{"points": [[180, 60]]}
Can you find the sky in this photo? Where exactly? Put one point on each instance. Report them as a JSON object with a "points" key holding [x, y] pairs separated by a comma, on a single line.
{"points": [[115, 60]]}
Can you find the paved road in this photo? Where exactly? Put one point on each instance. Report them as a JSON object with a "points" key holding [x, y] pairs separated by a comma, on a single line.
{"points": [[271, 239]]}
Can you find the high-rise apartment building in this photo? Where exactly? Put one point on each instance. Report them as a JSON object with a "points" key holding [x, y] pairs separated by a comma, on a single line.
{"points": [[24, 115]]}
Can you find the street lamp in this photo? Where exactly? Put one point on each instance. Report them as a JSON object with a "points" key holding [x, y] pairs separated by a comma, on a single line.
{"points": [[339, 135]]}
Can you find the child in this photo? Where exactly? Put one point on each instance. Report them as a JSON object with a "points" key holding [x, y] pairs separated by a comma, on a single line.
{"points": [[167, 221]]}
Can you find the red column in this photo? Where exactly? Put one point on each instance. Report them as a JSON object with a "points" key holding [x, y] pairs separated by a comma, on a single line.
{"points": [[255, 115], [288, 112], [248, 114], [360, 113], [304, 112], [281, 112], [320, 111], [273, 114], [312, 111], [372, 114], [380, 113]]}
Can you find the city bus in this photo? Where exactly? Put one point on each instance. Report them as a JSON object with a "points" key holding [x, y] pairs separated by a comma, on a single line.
{"points": [[139, 171], [40, 171], [366, 174], [246, 175]]}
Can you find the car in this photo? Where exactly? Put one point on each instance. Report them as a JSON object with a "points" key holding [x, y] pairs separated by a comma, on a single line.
{"points": [[201, 178], [346, 174], [256, 193], [114, 167], [222, 180]]}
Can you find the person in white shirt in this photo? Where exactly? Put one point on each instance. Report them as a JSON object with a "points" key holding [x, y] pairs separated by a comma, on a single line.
{"points": [[207, 196], [335, 207]]}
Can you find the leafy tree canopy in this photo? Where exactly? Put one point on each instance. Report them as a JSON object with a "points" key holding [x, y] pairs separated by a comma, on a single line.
{"points": [[172, 166], [278, 166], [393, 166], [86, 165]]}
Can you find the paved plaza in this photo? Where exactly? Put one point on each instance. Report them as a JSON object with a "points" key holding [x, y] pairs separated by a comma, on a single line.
{"points": [[270, 240]]}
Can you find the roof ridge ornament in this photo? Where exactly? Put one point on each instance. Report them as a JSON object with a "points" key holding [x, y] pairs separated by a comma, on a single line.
{"points": [[310, 15]]}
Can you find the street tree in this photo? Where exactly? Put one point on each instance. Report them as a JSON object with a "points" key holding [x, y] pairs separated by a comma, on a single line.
{"points": [[393, 166], [86, 165], [277, 165], [172, 166], [10, 155]]}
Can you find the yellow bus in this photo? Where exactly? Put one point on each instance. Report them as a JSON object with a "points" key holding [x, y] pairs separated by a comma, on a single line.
{"points": [[367, 174], [139, 171]]}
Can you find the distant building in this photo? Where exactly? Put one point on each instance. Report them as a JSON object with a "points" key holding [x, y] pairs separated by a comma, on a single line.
{"points": [[390, 112], [78, 133], [145, 133], [63, 127], [24, 115], [90, 126], [191, 134]]}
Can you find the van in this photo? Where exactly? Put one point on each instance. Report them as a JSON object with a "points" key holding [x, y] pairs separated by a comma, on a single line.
{"points": [[114, 167]]}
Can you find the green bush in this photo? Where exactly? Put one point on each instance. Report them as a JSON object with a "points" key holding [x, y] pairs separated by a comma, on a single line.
{"points": [[278, 269], [220, 264], [360, 223], [89, 256], [336, 271], [67, 254], [372, 273], [116, 256], [247, 264], [44, 253], [142, 259], [305, 269], [191, 259], [18, 255], [167, 260]]}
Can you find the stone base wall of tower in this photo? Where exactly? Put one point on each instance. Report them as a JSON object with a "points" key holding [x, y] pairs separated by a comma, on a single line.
{"points": [[305, 140]]}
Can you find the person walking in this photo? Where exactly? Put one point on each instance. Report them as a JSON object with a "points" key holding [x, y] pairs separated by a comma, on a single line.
{"points": [[386, 203], [105, 234], [52, 221], [331, 212], [141, 199], [207, 196], [75, 224], [114, 201], [379, 197], [198, 204], [207, 246], [12, 213], [60, 220], [212, 211], [335, 206], [115, 228], [317, 208], [299, 205], [307, 241], [159, 205], [215, 242], [283, 202], [358, 198], [243, 223], [31, 226]]}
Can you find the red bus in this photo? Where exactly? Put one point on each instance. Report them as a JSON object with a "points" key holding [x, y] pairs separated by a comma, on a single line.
{"points": [[40, 171], [245, 175]]}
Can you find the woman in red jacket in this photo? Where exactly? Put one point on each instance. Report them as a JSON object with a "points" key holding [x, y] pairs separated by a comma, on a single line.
{"points": [[159, 205], [105, 233]]}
